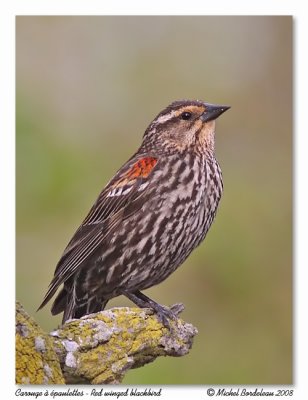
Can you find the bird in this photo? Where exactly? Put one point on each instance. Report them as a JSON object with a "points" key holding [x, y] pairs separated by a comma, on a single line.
{"points": [[147, 220]]}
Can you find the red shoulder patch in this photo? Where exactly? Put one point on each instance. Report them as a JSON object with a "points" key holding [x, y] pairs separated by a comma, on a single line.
{"points": [[142, 168]]}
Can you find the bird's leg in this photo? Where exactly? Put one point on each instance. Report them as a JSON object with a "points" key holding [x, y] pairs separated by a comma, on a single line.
{"points": [[143, 301]]}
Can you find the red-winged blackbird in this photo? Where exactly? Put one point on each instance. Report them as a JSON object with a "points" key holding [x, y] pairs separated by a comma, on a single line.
{"points": [[147, 220]]}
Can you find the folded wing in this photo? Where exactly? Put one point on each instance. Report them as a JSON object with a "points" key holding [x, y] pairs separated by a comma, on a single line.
{"points": [[123, 195]]}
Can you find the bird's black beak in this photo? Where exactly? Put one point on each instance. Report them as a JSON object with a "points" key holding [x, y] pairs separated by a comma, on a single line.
{"points": [[213, 111]]}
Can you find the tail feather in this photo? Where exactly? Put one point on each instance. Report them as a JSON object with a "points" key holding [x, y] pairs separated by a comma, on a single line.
{"points": [[60, 302], [77, 310], [74, 307]]}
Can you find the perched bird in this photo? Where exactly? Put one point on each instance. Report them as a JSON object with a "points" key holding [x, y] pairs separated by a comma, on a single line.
{"points": [[147, 220]]}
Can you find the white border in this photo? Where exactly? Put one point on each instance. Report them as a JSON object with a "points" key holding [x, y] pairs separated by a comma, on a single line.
{"points": [[8, 11]]}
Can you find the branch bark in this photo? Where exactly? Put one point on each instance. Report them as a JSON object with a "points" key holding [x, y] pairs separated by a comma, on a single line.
{"points": [[98, 348]]}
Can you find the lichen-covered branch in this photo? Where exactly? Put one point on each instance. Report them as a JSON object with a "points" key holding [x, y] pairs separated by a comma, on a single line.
{"points": [[98, 348], [36, 360]]}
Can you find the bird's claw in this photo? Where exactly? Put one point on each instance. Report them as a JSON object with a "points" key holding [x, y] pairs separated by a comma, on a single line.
{"points": [[165, 314]]}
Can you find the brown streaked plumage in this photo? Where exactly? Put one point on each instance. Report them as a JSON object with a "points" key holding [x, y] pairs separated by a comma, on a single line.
{"points": [[147, 220]]}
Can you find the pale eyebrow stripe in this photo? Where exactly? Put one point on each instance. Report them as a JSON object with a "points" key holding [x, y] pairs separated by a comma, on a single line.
{"points": [[175, 113], [166, 117], [170, 115]]}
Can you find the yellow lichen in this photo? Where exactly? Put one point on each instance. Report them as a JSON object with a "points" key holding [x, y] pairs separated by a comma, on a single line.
{"points": [[34, 364]]}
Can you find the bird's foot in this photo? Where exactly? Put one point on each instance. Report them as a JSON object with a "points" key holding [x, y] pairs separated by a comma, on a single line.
{"points": [[163, 313]]}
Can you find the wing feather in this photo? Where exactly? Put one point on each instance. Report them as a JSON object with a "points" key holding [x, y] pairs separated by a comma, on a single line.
{"points": [[119, 199]]}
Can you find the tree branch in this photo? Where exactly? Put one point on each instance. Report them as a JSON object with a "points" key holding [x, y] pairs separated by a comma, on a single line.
{"points": [[98, 348]]}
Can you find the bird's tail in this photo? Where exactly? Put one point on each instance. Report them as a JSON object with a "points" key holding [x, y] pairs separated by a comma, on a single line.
{"points": [[73, 307]]}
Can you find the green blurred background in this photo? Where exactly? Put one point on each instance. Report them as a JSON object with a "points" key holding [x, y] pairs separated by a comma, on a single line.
{"points": [[87, 87]]}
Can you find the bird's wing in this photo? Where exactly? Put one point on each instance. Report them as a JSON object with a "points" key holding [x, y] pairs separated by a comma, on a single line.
{"points": [[123, 195]]}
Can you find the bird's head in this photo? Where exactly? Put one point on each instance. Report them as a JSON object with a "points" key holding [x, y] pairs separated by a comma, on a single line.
{"points": [[184, 125]]}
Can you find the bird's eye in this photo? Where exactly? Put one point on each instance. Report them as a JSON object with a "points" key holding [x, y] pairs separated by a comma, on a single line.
{"points": [[186, 115]]}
